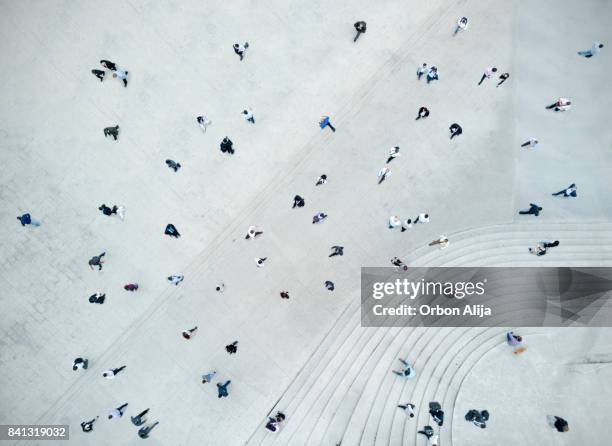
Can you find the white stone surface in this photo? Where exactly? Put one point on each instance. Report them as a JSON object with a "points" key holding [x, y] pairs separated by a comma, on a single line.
{"points": [[301, 64]]}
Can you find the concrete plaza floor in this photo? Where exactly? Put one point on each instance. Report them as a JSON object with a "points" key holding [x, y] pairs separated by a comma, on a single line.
{"points": [[301, 64]]}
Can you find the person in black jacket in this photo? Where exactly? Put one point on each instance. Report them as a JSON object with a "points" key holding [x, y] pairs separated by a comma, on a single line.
{"points": [[108, 65], [360, 27], [227, 146]]}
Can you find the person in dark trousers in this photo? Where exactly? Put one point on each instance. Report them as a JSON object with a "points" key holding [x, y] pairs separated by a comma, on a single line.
{"points": [[97, 298], [436, 412], [326, 122], [533, 209], [360, 27], [421, 71], [139, 420], [172, 231], [188, 334], [329, 285], [222, 389], [232, 348], [112, 131], [393, 153], [560, 424], [503, 78], [227, 146], [423, 113], [427, 431], [337, 251], [118, 412], [108, 65], [131, 287], [570, 191], [99, 74], [97, 261], [173, 165], [80, 363], [240, 49], [321, 180], [144, 431], [409, 408], [87, 426], [298, 201], [108, 211], [111, 373], [284, 294], [488, 73], [26, 219], [318, 218], [455, 130], [123, 75]]}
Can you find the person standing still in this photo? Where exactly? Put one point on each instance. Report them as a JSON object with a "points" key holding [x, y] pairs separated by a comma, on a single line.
{"points": [[360, 27]]}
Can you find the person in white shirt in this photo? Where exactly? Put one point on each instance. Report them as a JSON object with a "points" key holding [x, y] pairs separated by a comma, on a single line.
{"points": [[118, 412], [531, 143], [562, 104], [422, 218], [487, 74], [421, 71], [220, 287], [123, 75], [383, 174], [321, 180], [176, 279], [406, 224], [253, 232], [111, 373], [442, 241], [393, 153], [570, 191], [203, 122], [248, 115], [423, 113], [394, 221], [595, 49], [240, 49], [80, 363], [260, 261], [462, 24], [409, 408]]}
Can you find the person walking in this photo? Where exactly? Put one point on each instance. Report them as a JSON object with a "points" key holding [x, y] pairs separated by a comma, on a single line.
{"points": [[562, 104], [436, 412], [539, 250], [172, 231], [319, 217], [111, 373], [422, 218], [26, 219], [144, 431], [248, 115], [284, 294], [97, 298], [108, 65], [533, 209], [408, 408], [394, 222], [393, 153], [423, 113], [87, 426], [99, 74], [220, 287], [570, 191], [337, 251], [321, 180], [462, 25], [118, 412], [121, 75], [298, 202], [80, 363], [360, 27], [227, 146], [531, 143], [325, 122], [240, 49], [428, 432], [383, 174], [97, 261], [329, 285], [513, 340], [139, 420], [232, 348], [487, 74], [208, 377], [595, 49], [395, 261], [173, 165], [455, 130], [558, 423], [176, 279], [503, 78], [222, 389], [407, 371], [112, 131], [203, 122], [253, 232], [406, 224], [259, 261], [442, 241], [421, 71], [131, 287], [188, 334], [432, 74]]}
